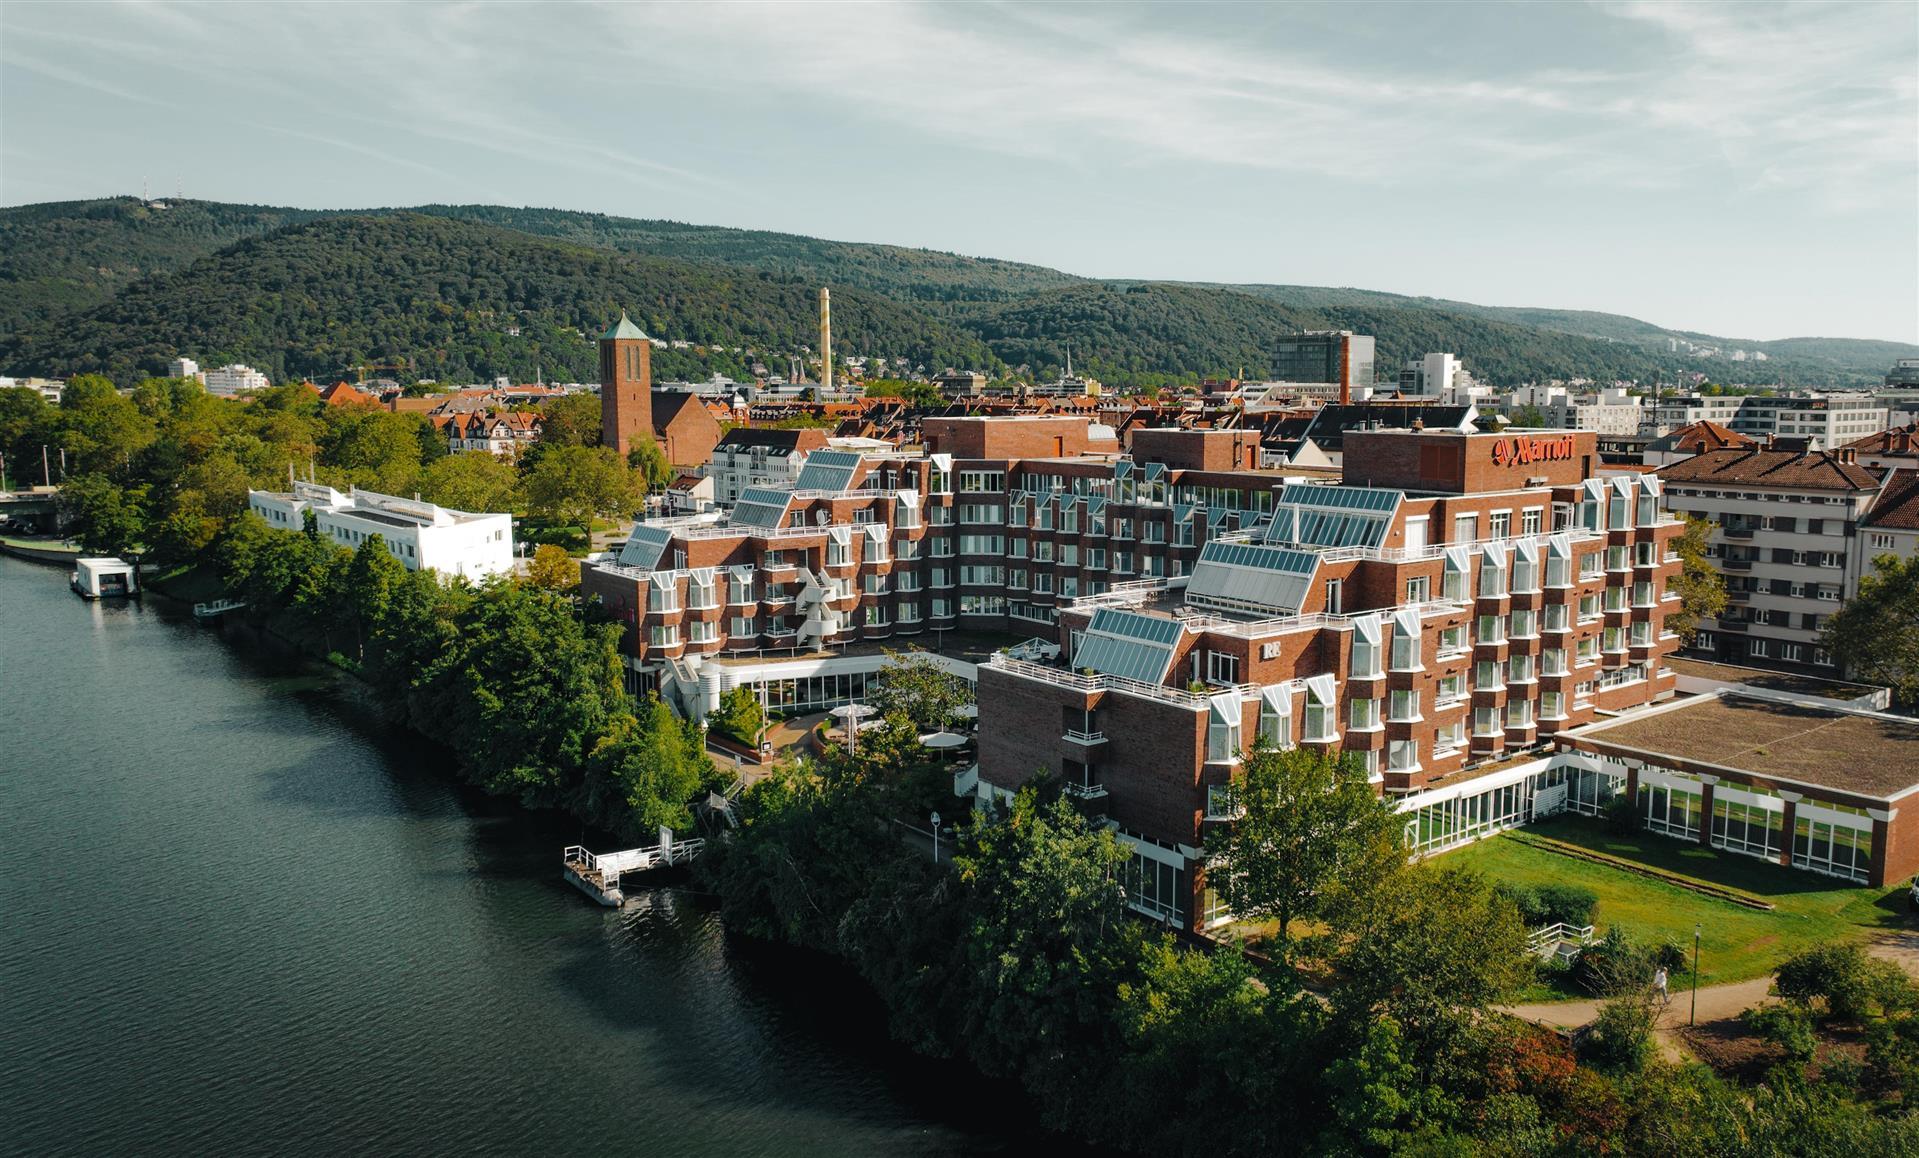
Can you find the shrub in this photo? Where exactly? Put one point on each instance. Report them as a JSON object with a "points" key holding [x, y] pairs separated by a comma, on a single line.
{"points": [[1620, 1038], [1551, 904], [1671, 957], [1785, 1025], [1617, 965], [1852, 985], [1622, 816]]}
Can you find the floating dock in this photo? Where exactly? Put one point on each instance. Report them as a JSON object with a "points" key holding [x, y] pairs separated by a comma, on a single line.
{"points": [[598, 874]]}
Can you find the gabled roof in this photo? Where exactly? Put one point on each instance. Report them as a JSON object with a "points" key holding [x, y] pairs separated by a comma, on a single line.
{"points": [[1699, 437], [1803, 469], [1897, 507], [668, 405], [624, 328], [1900, 441]]}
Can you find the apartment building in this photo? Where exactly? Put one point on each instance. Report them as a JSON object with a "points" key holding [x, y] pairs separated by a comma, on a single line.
{"points": [[750, 457], [1890, 527], [418, 534], [1453, 603], [1895, 448], [1787, 531]]}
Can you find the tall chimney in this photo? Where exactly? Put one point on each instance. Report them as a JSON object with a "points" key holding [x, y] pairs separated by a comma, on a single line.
{"points": [[826, 342]]}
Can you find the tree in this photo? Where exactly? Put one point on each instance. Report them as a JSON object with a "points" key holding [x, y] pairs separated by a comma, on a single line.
{"points": [[571, 484], [915, 393], [914, 685], [105, 518], [553, 569], [473, 480], [645, 769], [1312, 839], [1431, 952], [367, 589], [739, 715], [101, 429], [649, 461], [1700, 586], [1875, 635], [571, 420]]}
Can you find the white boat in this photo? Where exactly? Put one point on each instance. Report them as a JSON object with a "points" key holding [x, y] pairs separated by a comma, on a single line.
{"points": [[104, 578]]}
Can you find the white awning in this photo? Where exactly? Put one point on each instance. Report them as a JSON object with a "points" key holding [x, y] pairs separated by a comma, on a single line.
{"points": [[876, 532], [1495, 555], [1406, 621], [1225, 707], [704, 576], [841, 535], [1528, 550], [1322, 689], [1652, 484], [1458, 558], [1278, 698], [1560, 546], [910, 499], [1368, 628]]}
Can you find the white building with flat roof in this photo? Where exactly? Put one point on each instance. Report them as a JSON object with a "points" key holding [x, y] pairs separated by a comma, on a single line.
{"points": [[233, 379], [418, 534]]}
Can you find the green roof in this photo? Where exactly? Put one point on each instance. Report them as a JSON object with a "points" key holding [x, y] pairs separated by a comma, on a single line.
{"points": [[624, 328]]}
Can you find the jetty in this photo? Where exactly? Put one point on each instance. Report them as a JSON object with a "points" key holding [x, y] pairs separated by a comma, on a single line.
{"points": [[216, 608], [598, 874]]}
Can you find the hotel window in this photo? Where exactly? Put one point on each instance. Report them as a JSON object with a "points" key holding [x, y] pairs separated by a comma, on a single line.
{"points": [[942, 577], [1552, 661], [1452, 640], [1122, 528], [1276, 718], [1403, 706], [1096, 558], [1319, 718], [1529, 520], [1045, 516], [1069, 554], [1364, 715], [1183, 533], [743, 627], [1502, 525], [1016, 578], [1452, 583], [1449, 738], [1552, 706], [1152, 531], [1419, 589], [873, 584], [1525, 624], [1614, 639], [663, 635], [1492, 581], [1835, 840], [1555, 617], [939, 516], [1465, 528], [1586, 650], [906, 550], [1405, 651], [663, 596], [1042, 582], [1450, 690], [1365, 654], [1642, 634], [1122, 562], [1069, 587], [1016, 548], [1491, 629], [839, 552], [1043, 551], [1069, 518], [1222, 667], [942, 608], [702, 631], [985, 576], [1617, 560], [1222, 728], [1486, 722], [1519, 669], [982, 544], [1588, 607], [909, 613], [972, 482], [702, 592], [1519, 713], [982, 605], [1489, 675], [1670, 809], [1335, 595], [1402, 756]]}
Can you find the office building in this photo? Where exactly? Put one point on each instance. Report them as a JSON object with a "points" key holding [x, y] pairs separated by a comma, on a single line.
{"points": [[1337, 358], [234, 379]]}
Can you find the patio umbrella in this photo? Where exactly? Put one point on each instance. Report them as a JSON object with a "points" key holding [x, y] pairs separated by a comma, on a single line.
{"points": [[943, 740]]}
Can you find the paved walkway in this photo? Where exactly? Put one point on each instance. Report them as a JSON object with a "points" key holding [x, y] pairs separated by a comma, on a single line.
{"points": [[1716, 1002]]}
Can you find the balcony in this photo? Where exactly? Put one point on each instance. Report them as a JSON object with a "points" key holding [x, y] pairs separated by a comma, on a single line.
{"points": [[1737, 532], [1086, 739], [1731, 564], [1084, 791]]}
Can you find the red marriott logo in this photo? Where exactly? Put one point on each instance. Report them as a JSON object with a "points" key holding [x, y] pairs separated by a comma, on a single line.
{"points": [[1519, 451]]}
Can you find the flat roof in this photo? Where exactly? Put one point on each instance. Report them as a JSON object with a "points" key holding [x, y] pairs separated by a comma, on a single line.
{"points": [[1776, 681], [1853, 752]]}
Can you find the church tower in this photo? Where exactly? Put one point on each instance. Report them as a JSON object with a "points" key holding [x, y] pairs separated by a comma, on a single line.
{"points": [[626, 386]]}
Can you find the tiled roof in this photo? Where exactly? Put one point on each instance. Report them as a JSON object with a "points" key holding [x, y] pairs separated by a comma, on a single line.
{"points": [[1897, 506], [1699, 437], [1810, 470], [1900, 440]]}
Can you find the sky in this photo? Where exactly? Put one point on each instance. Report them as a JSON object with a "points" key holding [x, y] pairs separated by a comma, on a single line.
{"points": [[1750, 171]]}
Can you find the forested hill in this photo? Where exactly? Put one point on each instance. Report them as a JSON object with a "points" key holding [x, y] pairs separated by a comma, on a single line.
{"points": [[439, 297], [107, 284]]}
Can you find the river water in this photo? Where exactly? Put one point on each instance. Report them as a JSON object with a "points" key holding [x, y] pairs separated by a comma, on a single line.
{"points": [[236, 920]]}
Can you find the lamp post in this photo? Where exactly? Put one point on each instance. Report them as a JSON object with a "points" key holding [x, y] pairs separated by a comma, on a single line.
{"points": [[936, 838], [1693, 1017]]}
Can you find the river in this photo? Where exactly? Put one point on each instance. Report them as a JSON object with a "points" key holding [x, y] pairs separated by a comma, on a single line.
{"points": [[235, 919]]}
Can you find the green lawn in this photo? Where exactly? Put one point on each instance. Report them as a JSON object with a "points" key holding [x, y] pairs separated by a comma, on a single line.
{"points": [[1736, 943]]}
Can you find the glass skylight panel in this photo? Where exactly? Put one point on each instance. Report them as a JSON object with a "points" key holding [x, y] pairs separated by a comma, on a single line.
{"points": [[645, 546], [1135, 647], [761, 507], [828, 470], [1251, 577]]}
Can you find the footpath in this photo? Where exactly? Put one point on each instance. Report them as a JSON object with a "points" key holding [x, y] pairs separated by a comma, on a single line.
{"points": [[1716, 1002]]}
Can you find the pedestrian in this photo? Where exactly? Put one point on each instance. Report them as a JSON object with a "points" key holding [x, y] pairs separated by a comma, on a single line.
{"points": [[1659, 986]]}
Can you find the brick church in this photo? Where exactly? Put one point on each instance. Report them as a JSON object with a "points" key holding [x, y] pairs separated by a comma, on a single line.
{"points": [[631, 410]]}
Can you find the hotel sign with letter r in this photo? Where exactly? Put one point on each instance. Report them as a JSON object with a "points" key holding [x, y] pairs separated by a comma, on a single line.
{"points": [[1522, 449]]}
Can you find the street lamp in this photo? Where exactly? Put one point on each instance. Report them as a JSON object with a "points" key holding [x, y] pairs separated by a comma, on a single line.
{"points": [[936, 838], [1693, 1017]]}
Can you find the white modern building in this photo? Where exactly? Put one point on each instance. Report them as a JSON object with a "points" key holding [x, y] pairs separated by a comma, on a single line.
{"points": [[418, 534], [183, 368], [233, 379]]}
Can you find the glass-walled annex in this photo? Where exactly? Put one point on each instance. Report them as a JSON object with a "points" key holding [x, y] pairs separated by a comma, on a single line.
{"points": [[1449, 817]]}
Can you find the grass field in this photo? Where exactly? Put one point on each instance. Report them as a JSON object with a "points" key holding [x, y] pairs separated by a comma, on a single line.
{"points": [[1736, 943]]}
